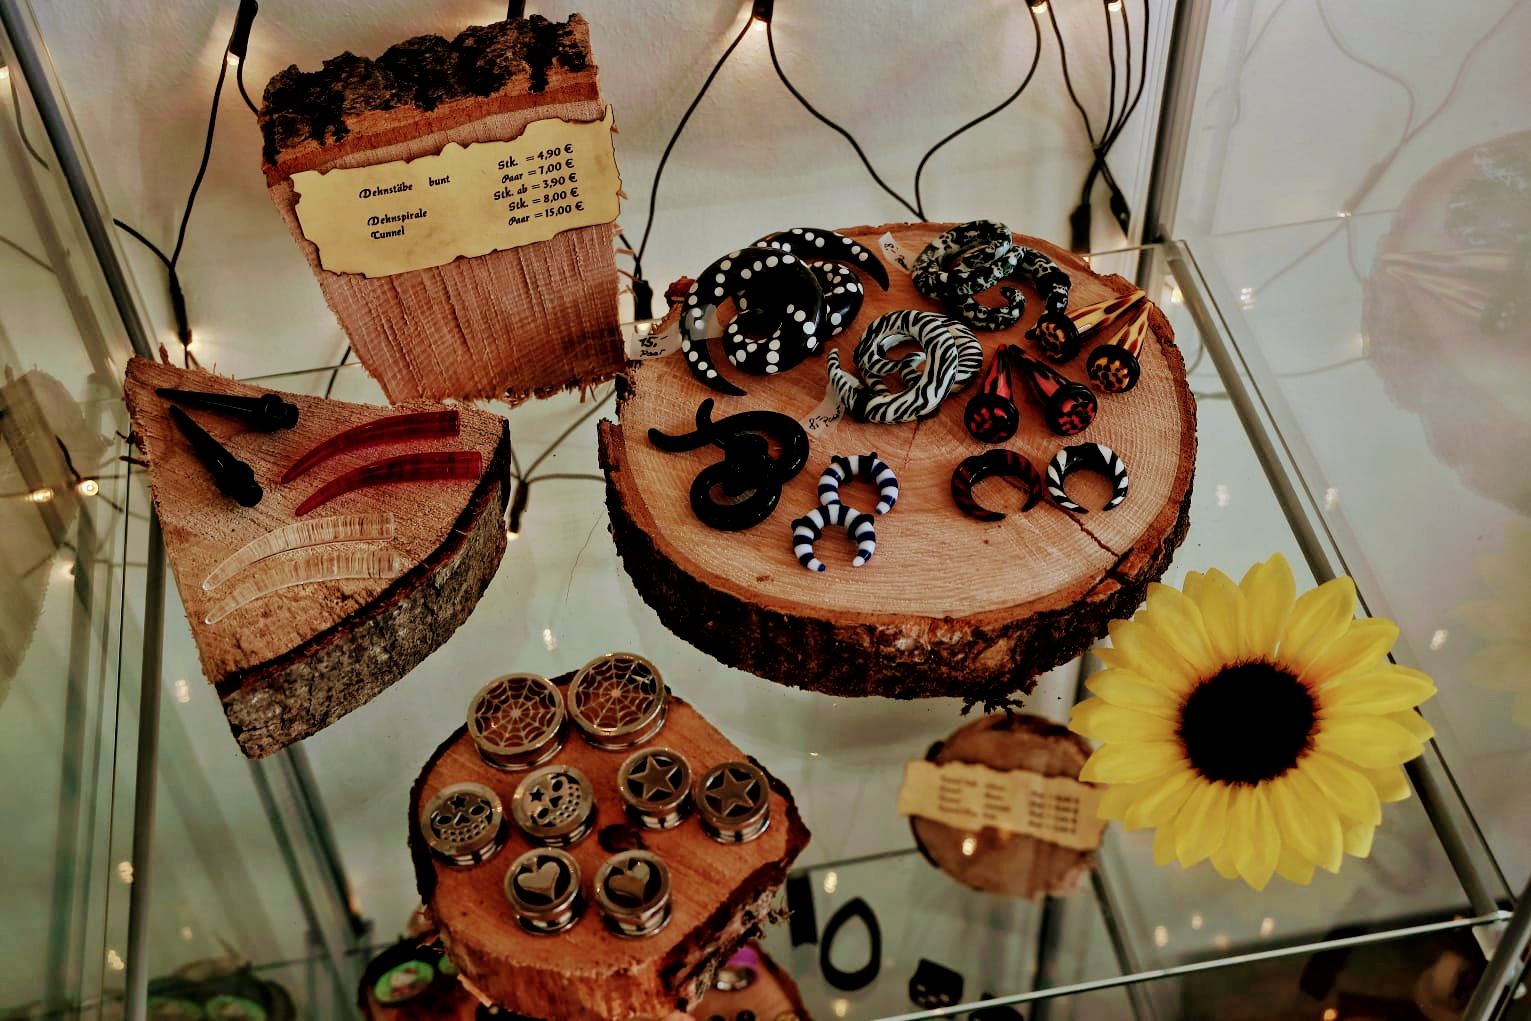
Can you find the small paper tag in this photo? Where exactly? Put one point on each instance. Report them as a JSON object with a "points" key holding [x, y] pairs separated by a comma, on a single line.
{"points": [[970, 796], [895, 253], [462, 202], [826, 414], [655, 343]]}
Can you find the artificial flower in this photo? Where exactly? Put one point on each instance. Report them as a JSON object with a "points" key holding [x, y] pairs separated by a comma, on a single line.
{"points": [[1252, 727]]}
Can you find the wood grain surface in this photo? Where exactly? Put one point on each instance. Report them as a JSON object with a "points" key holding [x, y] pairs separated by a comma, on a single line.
{"points": [[721, 893], [287, 665], [948, 605]]}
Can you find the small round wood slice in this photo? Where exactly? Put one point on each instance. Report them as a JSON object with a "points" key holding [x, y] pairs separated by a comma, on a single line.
{"points": [[948, 605], [996, 861], [720, 894]]}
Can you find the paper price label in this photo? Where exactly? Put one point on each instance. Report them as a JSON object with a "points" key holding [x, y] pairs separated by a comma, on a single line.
{"points": [[969, 796], [895, 253], [462, 202]]}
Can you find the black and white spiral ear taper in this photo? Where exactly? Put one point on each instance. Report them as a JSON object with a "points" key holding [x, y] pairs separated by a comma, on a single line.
{"points": [[817, 245], [858, 525], [866, 467], [1095, 457]]}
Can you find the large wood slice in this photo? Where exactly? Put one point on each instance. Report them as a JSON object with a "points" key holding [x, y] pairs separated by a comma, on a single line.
{"points": [[949, 605], [291, 664], [721, 894], [512, 324], [992, 860]]}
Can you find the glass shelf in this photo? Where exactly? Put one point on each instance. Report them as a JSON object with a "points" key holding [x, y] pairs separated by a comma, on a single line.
{"points": [[320, 829]]}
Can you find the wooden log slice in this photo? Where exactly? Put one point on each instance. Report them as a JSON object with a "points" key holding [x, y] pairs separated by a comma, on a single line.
{"points": [[997, 861], [720, 893], [288, 665], [511, 324], [948, 605]]}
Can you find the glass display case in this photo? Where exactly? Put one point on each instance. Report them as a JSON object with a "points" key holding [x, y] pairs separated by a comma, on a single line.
{"points": [[1345, 297]]}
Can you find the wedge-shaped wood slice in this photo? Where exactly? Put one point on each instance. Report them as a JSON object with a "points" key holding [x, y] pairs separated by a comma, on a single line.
{"points": [[948, 605], [288, 665], [720, 893]]}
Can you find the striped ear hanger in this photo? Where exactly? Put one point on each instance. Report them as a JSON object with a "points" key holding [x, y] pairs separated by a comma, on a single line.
{"points": [[1096, 457], [866, 467], [807, 529]]}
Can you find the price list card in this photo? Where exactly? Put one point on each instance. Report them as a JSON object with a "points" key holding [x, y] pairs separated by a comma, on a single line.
{"points": [[464, 201]]}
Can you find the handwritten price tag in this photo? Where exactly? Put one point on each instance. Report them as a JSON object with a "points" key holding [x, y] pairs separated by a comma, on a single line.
{"points": [[462, 202]]}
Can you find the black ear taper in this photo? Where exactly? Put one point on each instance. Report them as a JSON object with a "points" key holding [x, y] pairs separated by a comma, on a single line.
{"points": [[233, 477], [265, 413]]}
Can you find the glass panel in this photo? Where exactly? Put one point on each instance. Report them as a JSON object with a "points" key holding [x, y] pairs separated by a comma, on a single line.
{"points": [[73, 547], [1372, 266]]}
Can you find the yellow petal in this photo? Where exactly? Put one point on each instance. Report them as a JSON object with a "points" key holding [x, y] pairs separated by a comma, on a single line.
{"points": [[1269, 592], [1114, 801], [1139, 648], [1297, 831], [1164, 845], [1177, 620], [1358, 841], [1371, 741], [1223, 861], [1318, 617], [1261, 846], [1388, 689], [1159, 805], [1294, 867], [1222, 613], [1099, 720], [1349, 793], [1323, 821], [1131, 763], [1414, 723], [1131, 690], [1201, 824], [1361, 647], [1392, 783]]}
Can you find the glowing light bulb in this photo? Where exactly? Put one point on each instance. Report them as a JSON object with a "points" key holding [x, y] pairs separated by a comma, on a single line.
{"points": [[758, 25], [1438, 639], [5, 72], [88, 487], [186, 933], [1113, 5], [1038, 6], [42, 494], [511, 536], [1177, 296], [969, 845], [232, 60], [831, 881], [1267, 925], [182, 691], [549, 639], [125, 871], [841, 1006], [1196, 921], [114, 960], [1161, 936]]}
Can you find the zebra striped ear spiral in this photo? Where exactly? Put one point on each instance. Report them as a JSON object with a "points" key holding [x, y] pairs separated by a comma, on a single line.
{"points": [[866, 467], [1096, 457], [807, 529]]}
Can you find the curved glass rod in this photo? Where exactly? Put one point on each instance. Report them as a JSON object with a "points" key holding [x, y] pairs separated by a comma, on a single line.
{"points": [[435, 466], [301, 534], [320, 564], [414, 425]]}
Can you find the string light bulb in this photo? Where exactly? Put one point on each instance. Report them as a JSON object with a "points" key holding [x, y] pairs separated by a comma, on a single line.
{"points": [[1037, 6], [761, 13], [1113, 5], [5, 72], [42, 494], [88, 487]]}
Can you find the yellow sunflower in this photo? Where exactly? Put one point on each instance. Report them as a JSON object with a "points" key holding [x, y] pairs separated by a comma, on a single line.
{"points": [[1252, 727]]}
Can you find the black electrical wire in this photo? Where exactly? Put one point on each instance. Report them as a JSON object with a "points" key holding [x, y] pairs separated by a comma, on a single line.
{"points": [[775, 63], [21, 128], [1036, 58], [207, 155], [665, 156], [1113, 132], [1068, 79], [344, 357], [146, 242], [239, 79], [1105, 132]]}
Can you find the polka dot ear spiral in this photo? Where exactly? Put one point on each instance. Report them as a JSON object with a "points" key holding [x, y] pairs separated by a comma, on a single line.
{"points": [[866, 467], [1067, 407], [998, 463], [1096, 457], [817, 246], [780, 313], [807, 529], [950, 356]]}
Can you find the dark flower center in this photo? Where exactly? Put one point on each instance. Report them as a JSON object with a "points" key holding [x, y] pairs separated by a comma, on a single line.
{"points": [[1246, 724]]}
